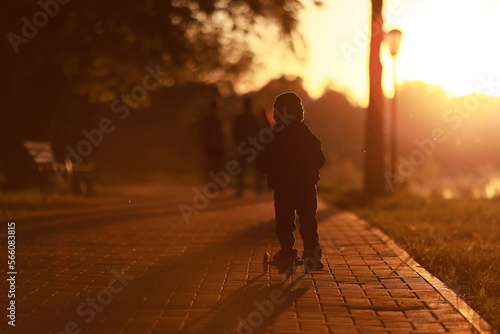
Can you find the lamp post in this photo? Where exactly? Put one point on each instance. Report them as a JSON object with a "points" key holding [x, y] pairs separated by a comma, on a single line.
{"points": [[393, 39]]}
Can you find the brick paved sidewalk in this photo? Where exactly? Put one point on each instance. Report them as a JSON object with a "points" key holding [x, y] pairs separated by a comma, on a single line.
{"points": [[114, 266]]}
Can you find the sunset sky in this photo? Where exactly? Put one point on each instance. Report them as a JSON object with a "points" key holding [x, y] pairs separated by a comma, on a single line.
{"points": [[452, 43]]}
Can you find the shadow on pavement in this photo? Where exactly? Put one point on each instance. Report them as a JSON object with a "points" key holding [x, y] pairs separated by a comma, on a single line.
{"points": [[38, 226], [251, 306], [261, 303]]}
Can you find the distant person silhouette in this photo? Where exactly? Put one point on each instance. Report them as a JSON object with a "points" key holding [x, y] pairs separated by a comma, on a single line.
{"points": [[213, 141], [246, 125], [292, 161], [264, 122]]}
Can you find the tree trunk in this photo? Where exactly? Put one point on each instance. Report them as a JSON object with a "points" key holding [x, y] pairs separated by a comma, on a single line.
{"points": [[374, 158]]}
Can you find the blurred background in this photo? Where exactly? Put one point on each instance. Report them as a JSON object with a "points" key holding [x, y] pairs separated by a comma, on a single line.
{"points": [[68, 65]]}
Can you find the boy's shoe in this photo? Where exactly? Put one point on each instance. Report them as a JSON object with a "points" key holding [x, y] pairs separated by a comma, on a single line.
{"points": [[311, 262], [286, 256], [309, 252]]}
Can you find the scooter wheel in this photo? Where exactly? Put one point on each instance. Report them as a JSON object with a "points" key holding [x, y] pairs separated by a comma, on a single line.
{"points": [[265, 262]]}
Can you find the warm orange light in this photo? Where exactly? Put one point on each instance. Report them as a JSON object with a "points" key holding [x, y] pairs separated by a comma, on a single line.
{"points": [[449, 43], [394, 39], [452, 44]]}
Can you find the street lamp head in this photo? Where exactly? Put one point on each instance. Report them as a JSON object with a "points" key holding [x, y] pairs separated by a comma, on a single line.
{"points": [[394, 39]]}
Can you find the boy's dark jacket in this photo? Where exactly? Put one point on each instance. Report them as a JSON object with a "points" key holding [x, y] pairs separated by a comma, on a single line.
{"points": [[293, 157]]}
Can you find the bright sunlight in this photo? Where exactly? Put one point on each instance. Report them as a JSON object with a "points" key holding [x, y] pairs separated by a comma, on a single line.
{"points": [[451, 43]]}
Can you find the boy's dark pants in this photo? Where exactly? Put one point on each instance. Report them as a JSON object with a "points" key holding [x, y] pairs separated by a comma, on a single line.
{"points": [[302, 198]]}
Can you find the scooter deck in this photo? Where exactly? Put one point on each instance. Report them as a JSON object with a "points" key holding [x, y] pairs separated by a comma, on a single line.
{"points": [[290, 267], [282, 267]]}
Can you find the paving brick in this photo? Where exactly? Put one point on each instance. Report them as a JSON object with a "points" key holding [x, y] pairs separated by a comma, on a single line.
{"points": [[207, 277]]}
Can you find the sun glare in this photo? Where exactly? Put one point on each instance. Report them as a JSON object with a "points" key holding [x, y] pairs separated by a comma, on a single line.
{"points": [[452, 44], [449, 43]]}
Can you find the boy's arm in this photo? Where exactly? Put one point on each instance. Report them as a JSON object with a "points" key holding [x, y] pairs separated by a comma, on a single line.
{"points": [[321, 155], [316, 155]]}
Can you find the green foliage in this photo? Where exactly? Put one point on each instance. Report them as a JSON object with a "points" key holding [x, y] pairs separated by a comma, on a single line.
{"points": [[101, 48], [456, 240], [88, 53]]}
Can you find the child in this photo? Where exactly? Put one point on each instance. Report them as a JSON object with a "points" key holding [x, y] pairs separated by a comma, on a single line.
{"points": [[292, 161]]}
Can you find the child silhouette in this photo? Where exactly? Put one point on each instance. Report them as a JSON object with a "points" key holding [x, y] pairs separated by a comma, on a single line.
{"points": [[292, 161]]}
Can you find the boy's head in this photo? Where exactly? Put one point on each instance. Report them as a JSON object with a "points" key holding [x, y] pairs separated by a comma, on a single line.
{"points": [[289, 103]]}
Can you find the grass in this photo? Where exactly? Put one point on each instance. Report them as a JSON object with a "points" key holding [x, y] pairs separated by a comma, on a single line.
{"points": [[14, 203], [457, 240]]}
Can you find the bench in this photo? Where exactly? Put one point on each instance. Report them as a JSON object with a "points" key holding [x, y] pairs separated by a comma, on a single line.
{"points": [[45, 166]]}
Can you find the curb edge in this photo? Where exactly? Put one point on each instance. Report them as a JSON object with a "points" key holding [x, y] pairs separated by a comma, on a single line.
{"points": [[479, 324]]}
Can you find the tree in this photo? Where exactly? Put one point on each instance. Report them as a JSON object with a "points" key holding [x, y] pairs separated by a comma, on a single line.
{"points": [[374, 182], [88, 52]]}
